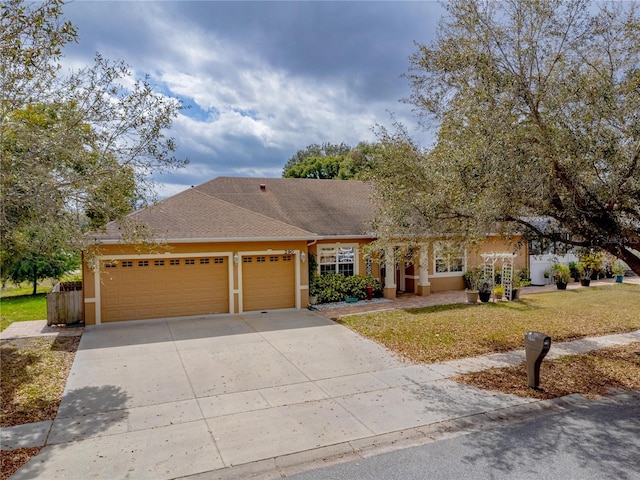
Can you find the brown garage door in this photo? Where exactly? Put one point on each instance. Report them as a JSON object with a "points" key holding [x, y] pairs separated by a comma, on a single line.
{"points": [[136, 289], [268, 282]]}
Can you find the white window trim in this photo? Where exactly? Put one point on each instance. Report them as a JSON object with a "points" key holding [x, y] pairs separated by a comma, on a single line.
{"points": [[435, 274], [356, 255]]}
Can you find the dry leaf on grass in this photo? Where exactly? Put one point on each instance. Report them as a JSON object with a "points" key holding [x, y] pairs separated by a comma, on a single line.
{"points": [[12, 460], [590, 374]]}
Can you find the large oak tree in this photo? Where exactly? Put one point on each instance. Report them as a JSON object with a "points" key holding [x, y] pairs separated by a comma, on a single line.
{"points": [[76, 147], [537, 104]]}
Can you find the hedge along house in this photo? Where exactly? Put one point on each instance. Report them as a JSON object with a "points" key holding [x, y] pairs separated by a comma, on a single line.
{"points": [[234, 245]]}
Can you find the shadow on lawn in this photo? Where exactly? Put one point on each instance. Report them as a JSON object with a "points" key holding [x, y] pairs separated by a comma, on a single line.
{"points": [[16, 366], [519, 305]]}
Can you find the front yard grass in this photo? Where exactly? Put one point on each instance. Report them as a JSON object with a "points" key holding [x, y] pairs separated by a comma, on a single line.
{"points": [[448, 332], [22, 308]]}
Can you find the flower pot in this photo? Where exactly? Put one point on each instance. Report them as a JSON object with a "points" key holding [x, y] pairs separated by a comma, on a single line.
{"points": [[619, 278], [484, 296], [515, 294], [313, 300], [561, 285], [585, 282], [472, 297], [369, 292]]}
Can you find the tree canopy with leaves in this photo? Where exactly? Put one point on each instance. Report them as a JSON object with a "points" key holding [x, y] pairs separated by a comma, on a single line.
{"points": [[330, 161], [77, 147], [538, 108]]}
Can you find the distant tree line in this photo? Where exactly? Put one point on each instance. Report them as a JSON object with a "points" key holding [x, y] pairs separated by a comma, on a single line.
{"points": [[330, 161]]}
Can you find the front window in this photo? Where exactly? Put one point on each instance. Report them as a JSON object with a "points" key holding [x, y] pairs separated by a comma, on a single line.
{"points": [[337, 259], [448, 257]]}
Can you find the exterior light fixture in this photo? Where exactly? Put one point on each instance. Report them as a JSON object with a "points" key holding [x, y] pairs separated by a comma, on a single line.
{"points": [[236, 258], [303, 256]]}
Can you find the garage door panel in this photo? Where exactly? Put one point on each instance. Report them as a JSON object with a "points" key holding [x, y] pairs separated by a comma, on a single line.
{"points": [[135, 289], [268, 282]]}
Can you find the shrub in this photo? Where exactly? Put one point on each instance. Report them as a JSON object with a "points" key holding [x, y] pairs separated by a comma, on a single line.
{"points": [[574, 270], [335, 287]]}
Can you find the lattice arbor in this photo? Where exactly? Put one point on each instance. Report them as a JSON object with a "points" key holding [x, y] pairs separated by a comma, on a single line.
{"points": [[503, 260]]}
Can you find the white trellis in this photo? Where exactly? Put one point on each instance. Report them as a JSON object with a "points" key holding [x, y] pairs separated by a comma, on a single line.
{"points": [[506, 279]]}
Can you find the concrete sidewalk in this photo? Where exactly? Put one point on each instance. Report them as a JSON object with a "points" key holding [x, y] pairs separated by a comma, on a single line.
{"points": [[263, 394]]}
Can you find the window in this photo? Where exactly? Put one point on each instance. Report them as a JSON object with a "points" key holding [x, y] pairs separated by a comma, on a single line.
{"points": [[286, 258], [158, 263], [218, 260], [143, 263], [273, 258], [127, 264], [448, 257], [110, 265], [246, 259], [204, 261], [337, 259], [189, 261], [261, 259], [174, 261]]}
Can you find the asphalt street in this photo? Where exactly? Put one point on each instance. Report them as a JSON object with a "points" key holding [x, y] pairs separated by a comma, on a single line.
{"points": [[600, 440]]}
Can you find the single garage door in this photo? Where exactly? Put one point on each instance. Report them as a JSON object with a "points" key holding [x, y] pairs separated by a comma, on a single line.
{"points": [[137, 289], [268, 282]]}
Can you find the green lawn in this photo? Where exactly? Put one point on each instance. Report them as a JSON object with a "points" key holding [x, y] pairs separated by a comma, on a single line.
{"points": [[18, 304], [21, 308], [455, 331]]}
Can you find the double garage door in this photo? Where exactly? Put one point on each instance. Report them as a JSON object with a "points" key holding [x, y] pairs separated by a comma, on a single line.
{"points": [[155, 288]]}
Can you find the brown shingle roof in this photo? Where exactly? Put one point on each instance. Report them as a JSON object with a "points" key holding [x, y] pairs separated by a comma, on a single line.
{"points": [[257, 208], [195, 215], [325, 207]]}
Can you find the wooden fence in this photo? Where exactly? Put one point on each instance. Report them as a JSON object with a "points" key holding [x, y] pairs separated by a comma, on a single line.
{"points": [[64, 303]]}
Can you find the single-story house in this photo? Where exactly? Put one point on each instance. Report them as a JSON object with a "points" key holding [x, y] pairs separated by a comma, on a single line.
{"points": [[234, 245]]}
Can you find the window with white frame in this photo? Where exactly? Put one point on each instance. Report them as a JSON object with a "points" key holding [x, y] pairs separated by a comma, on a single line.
{"points": [[448, 257], [338, 259]]}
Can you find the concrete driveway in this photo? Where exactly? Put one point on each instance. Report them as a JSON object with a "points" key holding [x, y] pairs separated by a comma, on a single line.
{"points": [[180, 397]]}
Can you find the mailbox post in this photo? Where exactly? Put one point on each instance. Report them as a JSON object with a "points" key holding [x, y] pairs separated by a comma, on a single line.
{"points": [[536, 346]]}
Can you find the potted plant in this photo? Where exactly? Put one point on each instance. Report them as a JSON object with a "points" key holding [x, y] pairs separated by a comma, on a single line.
{"points": [[485, 292], [561, 275], [498, 292], [574, 270], [590, 262], [618, 269], [520, 279], [314, 284], [314, 290], [472, 278]]}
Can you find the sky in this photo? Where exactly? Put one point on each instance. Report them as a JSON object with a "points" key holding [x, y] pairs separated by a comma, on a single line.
{"points": [[264, 79]]}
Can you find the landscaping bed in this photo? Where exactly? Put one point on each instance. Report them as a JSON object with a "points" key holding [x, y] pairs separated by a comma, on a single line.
{"points": [[33, 376], [34, 373]]}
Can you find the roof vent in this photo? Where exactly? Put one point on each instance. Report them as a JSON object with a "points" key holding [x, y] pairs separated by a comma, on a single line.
{"points": [[263, 187]]}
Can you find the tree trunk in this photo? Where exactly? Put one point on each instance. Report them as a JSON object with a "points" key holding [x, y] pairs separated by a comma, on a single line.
{"points": [[627, 257], [35, 279]]}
